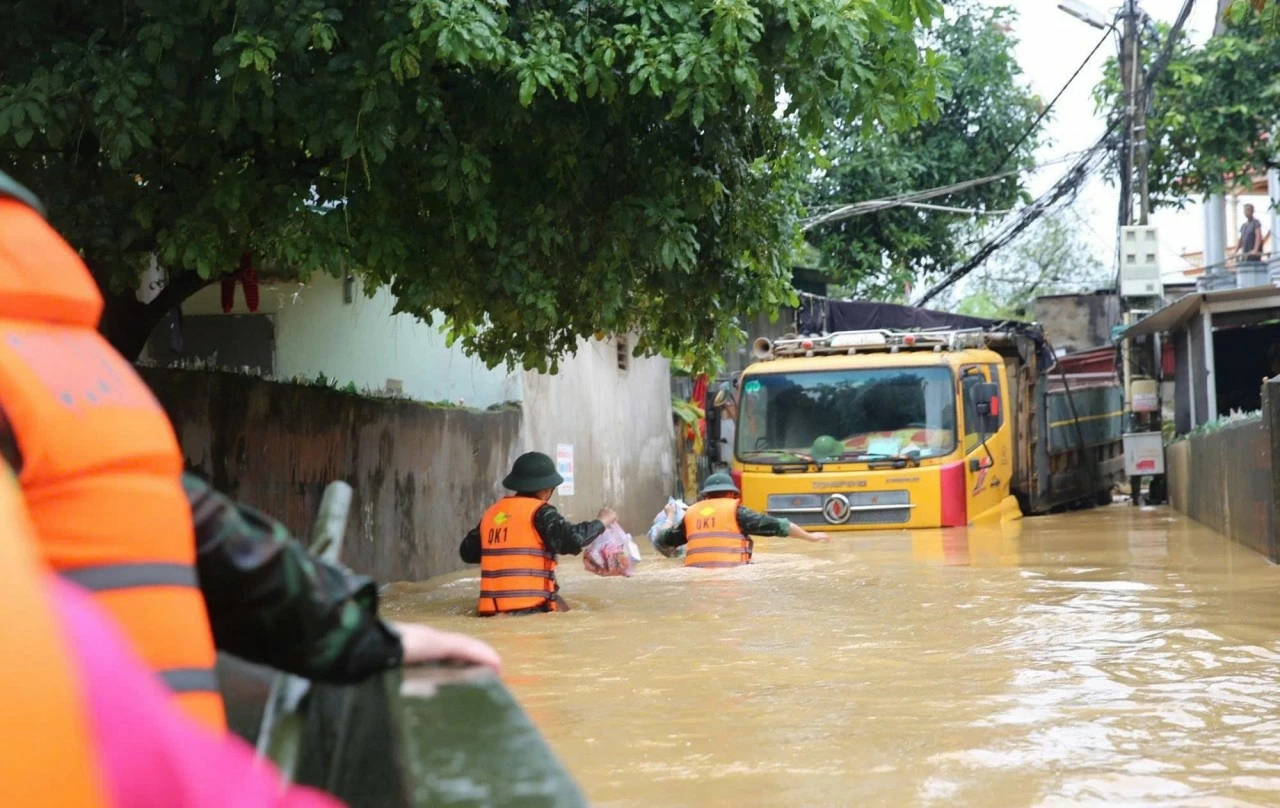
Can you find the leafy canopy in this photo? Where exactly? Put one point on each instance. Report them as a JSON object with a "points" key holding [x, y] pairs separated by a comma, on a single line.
{"points": [[537, 171], [1215, 112], [1049, 258], [979, 131]]}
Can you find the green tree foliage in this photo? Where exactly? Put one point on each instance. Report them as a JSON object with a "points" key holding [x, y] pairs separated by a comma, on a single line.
{"points": [[1215, 110], [1268, 11], [978, 132], [1049, 258], [537, 172]]}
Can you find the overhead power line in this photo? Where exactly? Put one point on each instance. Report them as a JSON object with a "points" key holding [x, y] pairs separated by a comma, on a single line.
{"points": [[874, 205], [871, 206], [954, 209], [1070, 182], [1044, 113], [1166, 52], [909, 198], [1065, 187]]}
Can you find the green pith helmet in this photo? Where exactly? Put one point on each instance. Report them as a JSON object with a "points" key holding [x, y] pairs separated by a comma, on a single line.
{"points": [[719, 483], [827, 446], [532, 471]]}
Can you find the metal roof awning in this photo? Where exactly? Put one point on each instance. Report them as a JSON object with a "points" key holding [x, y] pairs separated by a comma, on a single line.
{"points": [[1176, 314]]}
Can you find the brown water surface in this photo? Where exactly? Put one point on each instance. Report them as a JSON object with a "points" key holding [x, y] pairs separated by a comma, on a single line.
{"points": [[1117, 656]]}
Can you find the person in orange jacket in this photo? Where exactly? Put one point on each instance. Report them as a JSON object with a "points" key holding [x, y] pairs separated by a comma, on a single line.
{"points": [[102, 475], [717, 529], [85, 723], [519, 537], [100, 463]]}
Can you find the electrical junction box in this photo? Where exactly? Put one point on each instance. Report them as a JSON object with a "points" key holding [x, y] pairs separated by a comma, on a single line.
{"points": [[1140, 262], [1144, 395], [1143, 453]]}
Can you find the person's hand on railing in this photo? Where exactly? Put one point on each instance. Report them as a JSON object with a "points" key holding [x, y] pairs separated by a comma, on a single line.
{"points": [[423, 644]]}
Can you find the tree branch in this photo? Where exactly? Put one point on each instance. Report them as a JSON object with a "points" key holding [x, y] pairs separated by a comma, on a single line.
{"points": [[127, 322]]}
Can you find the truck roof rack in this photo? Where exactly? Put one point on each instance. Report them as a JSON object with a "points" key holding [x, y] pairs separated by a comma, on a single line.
{"points": [[882, 341]]}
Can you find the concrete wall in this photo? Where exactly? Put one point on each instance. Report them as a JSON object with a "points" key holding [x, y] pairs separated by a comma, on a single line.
{"points": [[619, 423], [1077, 322], [617, 420], [1226, 480], [362, 342], [422, 475]]}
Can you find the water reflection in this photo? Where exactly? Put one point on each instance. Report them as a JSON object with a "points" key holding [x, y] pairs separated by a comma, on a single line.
{"points": [[1122, 656], [959, 547]]}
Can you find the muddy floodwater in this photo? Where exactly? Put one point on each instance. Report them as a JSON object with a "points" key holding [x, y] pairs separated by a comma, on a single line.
{"points": [[1117, 656]]}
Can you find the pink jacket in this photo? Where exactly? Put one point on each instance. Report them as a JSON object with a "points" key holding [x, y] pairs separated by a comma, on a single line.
{"points": [[151, 754]]}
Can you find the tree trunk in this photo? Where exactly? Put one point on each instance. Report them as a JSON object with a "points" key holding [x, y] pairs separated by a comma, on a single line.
{"points": [[127, 322]]}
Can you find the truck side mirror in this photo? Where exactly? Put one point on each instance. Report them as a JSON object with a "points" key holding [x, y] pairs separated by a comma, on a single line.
{"points": [[986, 399]]}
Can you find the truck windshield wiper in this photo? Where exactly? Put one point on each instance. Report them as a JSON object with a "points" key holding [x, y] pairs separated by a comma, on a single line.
{"points": [[801, 463], [796, 465], [881, 461], [800, 456]]}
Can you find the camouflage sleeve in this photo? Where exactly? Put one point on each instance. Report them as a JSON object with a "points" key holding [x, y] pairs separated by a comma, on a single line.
{"points": [[758, 524], [674, 536], [271, 603], [469, 550], [563, 538]]}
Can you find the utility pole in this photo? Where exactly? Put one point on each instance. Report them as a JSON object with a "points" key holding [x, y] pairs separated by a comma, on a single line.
{"points": [[1134, 157], [1142, 149], [1135, 209]]}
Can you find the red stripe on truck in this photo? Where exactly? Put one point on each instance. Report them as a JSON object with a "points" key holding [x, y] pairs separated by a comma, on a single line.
{"points": [[953, 496]]}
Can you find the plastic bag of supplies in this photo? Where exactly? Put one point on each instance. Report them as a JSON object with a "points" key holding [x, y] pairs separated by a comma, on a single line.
{"points": [[659, 526], [612, 553]]}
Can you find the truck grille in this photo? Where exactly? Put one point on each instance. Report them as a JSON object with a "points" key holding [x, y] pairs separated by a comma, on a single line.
{"points": [[866, 508]]}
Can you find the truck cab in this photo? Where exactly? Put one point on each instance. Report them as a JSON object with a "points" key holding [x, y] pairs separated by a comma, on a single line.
{"points": [[875, 430]]}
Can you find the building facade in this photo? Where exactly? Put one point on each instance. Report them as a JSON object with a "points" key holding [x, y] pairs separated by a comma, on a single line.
{"points": [[605, 414]]}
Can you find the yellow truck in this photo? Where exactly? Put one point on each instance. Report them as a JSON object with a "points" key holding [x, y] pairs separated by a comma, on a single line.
{"points": [[880, 428]]}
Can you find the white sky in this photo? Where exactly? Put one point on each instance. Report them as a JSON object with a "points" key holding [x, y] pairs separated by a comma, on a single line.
{"points": [[1051, 45]]}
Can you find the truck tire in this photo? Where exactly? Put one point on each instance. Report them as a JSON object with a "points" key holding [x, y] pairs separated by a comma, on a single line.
{"points": [[1103, 498]]}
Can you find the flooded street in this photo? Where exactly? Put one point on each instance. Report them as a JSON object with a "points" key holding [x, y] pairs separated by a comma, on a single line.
{"points": [[1113, 656]]}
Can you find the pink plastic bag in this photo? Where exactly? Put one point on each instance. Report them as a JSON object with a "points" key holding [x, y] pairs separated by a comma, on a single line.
{"points": [[613, 553]]}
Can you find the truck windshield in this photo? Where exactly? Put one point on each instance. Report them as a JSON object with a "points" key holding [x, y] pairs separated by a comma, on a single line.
{"points": [[846, 415]]}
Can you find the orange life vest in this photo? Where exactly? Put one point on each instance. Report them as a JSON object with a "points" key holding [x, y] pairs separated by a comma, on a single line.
{"points": [[46, 741], [517, 572], [715, 539], [101, 468]]}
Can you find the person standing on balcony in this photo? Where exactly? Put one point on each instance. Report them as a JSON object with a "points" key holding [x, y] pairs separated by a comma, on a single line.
{"points": [[1251, 239]]}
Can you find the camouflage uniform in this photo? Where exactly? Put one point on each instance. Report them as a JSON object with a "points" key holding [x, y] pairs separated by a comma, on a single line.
{"points": [[268, 600]]}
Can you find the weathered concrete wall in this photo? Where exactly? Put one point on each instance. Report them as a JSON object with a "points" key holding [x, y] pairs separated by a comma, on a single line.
{"points": [[1077, 322], [619, 423], [1226, 480], [422, 476]]}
